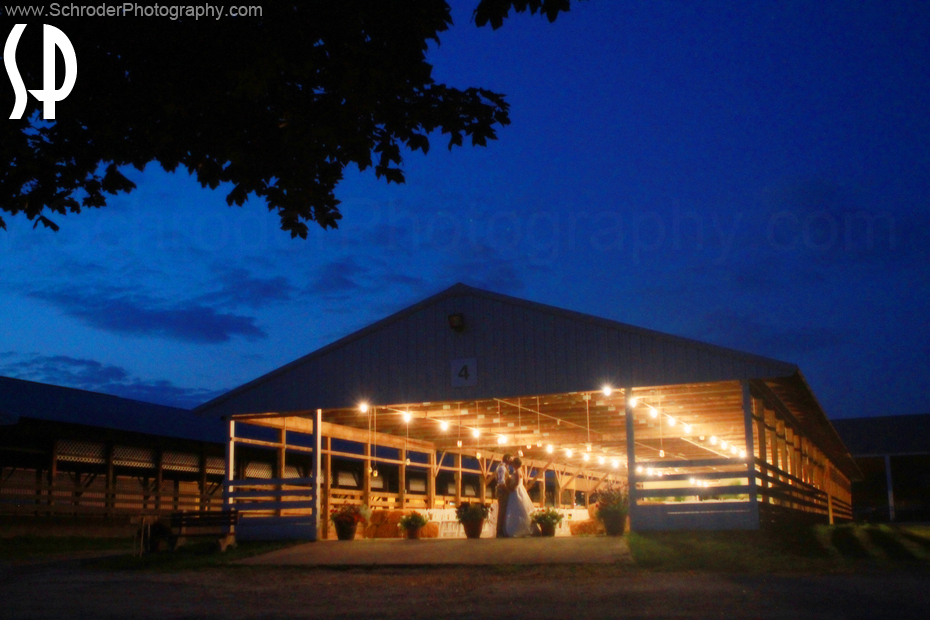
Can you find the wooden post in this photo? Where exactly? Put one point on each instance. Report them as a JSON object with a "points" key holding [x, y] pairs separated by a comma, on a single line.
{"points": [[366, 480], [759, 410], [750, 459], [281, 463], [230, 467], [159, 476], [317, 438], [630, 454], [402, 480], [431, 482], [458, 479], [327, 494], [202, 483], [829, 489]]}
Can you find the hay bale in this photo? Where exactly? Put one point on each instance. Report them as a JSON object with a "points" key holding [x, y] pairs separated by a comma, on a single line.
{"points": [[394, 516], [588, 527], [386, 530], [430, 530], [377, 517]]}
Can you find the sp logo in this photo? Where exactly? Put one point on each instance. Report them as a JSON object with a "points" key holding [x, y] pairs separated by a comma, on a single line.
{"points": [[51, 38]]}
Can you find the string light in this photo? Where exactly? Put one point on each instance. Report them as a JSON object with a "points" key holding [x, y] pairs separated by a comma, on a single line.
{"points": [[713, 440], [600, 460], [742, 454], [672, 421], [363, 407], [653, 412], [634, 401], [661, 454], [723, 445], [586, 456], [615, 463], [476, 433], [607, 390], [407, 417], [687, 429], [444, 425], [502, 440], [568, 453], [639, 469], [549, 448]]}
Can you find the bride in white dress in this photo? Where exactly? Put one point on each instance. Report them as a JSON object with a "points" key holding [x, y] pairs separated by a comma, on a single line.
{"points": [[519, 506]]}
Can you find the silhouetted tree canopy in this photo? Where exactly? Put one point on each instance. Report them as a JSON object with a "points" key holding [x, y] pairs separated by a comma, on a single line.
{"points": [[278, 105]]}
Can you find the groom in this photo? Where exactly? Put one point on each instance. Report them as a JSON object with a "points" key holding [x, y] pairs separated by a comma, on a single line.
{"points": [[503, 494]]}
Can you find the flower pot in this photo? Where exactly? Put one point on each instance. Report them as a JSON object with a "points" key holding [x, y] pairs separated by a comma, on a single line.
{"points": [[413, 533], [473, 528], [547, 529], [614, 523], [345, 531]]}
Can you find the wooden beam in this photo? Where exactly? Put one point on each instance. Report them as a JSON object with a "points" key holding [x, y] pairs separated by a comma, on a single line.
{"points": [[328, 486], [750, 464]]}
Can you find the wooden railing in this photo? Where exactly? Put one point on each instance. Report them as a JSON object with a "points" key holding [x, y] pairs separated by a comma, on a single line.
{"points": [[65, 500]]}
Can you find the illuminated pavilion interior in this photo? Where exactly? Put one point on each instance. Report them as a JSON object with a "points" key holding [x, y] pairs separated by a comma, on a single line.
{"points": [[414, 411]]}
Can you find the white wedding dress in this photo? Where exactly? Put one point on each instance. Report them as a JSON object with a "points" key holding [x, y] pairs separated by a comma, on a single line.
{"points": [[519, 509]]}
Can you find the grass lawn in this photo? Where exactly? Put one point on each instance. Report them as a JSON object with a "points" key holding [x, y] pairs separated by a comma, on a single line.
{"points": [[26, 547], [839, 548]]}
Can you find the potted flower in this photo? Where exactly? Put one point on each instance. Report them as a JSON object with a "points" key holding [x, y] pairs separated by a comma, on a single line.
{"points": [[547, 519], [411, 523], [346, 519], [472, 517], [613, 505]]}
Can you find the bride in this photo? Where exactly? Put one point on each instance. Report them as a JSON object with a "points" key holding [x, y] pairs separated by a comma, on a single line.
{"points": [[519, 507]]}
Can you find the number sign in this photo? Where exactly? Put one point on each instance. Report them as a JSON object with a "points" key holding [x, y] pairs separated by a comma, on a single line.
{"points": [[465, 372]]}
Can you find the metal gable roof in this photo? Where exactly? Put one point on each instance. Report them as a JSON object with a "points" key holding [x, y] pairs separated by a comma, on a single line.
{"points": [[28, 399], [521, 347]]}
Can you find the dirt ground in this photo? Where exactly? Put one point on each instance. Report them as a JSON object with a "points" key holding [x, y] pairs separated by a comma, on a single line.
{"points": [[70, 590]]}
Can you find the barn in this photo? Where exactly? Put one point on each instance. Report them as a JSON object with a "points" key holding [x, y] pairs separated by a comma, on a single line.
{"points": [[413, 411]]}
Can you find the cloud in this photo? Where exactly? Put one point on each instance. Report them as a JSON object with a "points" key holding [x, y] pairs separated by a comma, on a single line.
{"points": [[120, 311], [240, 288], [94, 376]]}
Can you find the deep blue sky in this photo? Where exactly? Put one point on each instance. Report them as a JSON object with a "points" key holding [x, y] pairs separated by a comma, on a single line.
{"points": [[705, 169]]}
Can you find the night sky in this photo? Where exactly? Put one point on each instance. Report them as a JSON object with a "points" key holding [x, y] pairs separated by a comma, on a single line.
{"points": [[753, 175]]}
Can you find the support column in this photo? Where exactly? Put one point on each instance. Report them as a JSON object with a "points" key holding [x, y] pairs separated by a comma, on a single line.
{"points": [[630, 455], [328, 488], [366, 479], [890, 487], [750, 459], [759, 410], [458, 479], [402, 480], [431, 482], [281, 462], [230, 468], [317, 466], [202, 483], [52, 473]]}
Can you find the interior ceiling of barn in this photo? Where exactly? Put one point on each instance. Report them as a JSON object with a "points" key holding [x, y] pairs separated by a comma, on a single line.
{"points": [[681, 422]]}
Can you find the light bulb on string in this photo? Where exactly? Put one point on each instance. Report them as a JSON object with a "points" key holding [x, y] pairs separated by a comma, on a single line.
{"points": [[672, 421], [600, 460], [607, 390], [476, 433], [653, 412], [586, 457], [687, 429], [634, 401], [615, 463], [568, 453], [713, 440], [501, 440], [549, 448], [363, 407], [723, 445], [661, 454], [407, 417], [444, 425]]}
